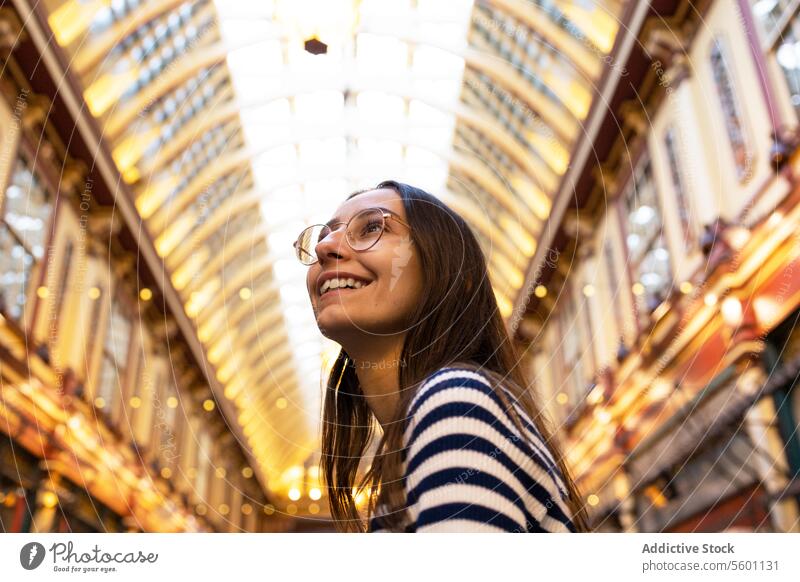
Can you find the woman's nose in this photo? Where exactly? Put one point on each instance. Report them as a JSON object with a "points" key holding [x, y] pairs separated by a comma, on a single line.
{"points": [[333, 245]]}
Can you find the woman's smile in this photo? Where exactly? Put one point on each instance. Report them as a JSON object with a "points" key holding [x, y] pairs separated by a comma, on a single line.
{"points": [[340, 292], [340, 284], [340, 280]]}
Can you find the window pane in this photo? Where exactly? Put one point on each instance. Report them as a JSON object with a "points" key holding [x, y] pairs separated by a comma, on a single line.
{"points": [[108, 382], [15, 269], [647, 248], [118, 335], [23, 230], [787, 55], [769, 12], [28, 207], [679, 186], [731, 110]]}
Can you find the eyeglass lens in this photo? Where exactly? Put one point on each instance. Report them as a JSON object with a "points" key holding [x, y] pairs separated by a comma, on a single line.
{"points": [[363, 231]]}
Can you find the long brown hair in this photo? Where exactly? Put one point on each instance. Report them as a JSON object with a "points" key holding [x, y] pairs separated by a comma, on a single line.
{"points": [[456, 321]]}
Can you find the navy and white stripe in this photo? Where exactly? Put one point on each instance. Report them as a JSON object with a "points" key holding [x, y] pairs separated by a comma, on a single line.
{"points": [[467, 468]]}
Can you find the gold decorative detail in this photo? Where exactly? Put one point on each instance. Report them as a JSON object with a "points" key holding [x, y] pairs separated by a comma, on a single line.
{"points": [[633, 117], [36, 112], [11, 31]]}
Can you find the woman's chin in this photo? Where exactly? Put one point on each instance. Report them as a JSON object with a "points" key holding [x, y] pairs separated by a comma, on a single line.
{"points": [[335, 326]]}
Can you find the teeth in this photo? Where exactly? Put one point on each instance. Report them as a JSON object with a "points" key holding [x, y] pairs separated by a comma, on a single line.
{"points": [[331, 284]]}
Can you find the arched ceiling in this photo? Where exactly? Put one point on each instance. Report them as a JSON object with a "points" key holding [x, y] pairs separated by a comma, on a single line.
{"points": [[233, 138]]}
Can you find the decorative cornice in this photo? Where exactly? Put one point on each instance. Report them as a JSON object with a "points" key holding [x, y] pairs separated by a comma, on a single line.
{"points": [[36, 112], [11, 30], [73, 177], [633, 117]]}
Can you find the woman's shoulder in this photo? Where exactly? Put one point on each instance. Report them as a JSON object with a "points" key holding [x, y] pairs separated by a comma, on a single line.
{"points": [[465, 400], [455, 383], [462, 449]]}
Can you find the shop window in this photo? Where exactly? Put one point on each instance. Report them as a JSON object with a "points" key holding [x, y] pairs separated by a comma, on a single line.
{"points": [[115, 358], [204, 466], [678, 180], [770, 13], [89, 343], [780, 22], [731, 110], [613, 287], [63, 284], [169, 437], [572, 371], [141, 396], [647, 248], [24, 219]]}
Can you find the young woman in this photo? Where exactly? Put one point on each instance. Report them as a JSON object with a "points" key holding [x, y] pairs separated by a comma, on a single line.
{"points": [[399, 281]]}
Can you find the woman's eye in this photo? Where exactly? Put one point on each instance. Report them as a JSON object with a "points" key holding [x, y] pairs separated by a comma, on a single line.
{"points": [[372, 227]]}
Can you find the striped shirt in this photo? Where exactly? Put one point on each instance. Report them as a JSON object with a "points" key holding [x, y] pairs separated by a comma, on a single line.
{"points": [[467, 468]]}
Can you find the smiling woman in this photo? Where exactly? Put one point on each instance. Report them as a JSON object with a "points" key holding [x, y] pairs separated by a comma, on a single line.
{"points": [[399, 281]]}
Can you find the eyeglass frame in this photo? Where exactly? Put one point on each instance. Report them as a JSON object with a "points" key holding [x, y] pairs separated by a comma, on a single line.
{"points": [[385, 215]]}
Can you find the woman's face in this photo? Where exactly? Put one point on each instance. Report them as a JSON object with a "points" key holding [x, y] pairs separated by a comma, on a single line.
{"points": [[389, 273]]}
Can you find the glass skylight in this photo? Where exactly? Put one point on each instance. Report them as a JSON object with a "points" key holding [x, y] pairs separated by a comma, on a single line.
{"points": [[377, 106]]}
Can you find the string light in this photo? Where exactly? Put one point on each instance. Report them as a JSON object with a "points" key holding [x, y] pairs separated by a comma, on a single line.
{"points": [[49, 499]]}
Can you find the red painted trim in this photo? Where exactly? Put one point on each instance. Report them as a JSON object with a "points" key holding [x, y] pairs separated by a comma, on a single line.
{"points": [[746, 509], [19, 514]]}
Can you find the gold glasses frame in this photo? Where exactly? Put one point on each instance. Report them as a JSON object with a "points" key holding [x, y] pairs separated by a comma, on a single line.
{"points": [[311, 257]]}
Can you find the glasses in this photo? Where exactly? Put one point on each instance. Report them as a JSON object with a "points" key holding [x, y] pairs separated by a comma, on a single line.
{"points": [[362, 232]]}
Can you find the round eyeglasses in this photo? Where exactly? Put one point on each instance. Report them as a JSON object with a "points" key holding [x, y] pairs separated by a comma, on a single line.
{"points": [[361, 233]]}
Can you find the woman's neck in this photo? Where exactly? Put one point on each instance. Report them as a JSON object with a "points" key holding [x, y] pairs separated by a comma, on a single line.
{"points": [[377, 366]]}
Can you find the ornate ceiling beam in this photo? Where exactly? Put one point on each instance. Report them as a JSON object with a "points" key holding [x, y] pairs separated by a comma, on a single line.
{"points": [[261, 322], [230, 162], [97, 48], [219, 303], [213, 319], [239, 243], [125, 115], [584, 58], [222, 215]]}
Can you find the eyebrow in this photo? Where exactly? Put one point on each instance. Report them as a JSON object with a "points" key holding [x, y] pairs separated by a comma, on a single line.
{"points": [[336, 219]]}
